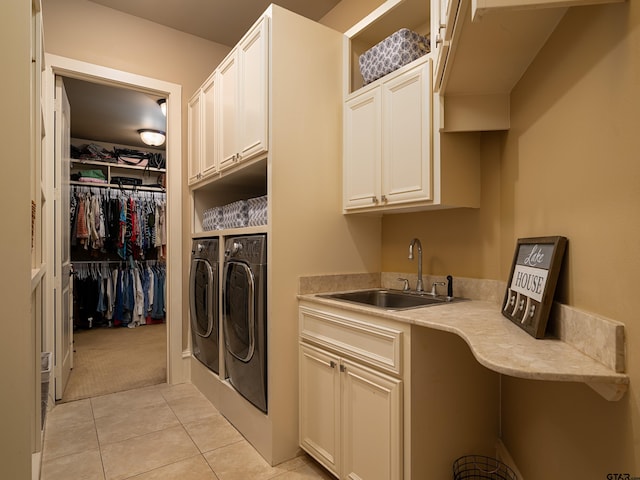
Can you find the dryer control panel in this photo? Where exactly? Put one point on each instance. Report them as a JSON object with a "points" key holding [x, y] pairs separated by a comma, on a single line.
{"points": [[251, 249]]}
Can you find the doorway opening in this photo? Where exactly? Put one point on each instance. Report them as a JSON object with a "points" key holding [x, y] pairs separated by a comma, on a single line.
{"points": [[117, 201], [151, 177]]}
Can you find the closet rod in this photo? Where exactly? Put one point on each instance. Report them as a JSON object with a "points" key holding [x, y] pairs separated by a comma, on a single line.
{"points": [[113, 186], [83, 262]]}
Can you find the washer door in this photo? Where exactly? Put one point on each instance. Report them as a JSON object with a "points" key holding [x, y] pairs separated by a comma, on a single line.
{"points": [[203, 301], [239, 310]]}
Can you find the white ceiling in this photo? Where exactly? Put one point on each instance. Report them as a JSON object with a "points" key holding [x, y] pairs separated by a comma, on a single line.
{"points": [[113, 115]]}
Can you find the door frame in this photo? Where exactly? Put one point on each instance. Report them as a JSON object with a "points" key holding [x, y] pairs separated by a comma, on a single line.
{"points": [[67, 67]]}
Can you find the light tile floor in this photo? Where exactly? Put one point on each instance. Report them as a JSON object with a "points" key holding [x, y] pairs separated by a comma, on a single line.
{"points": [[164, 432]]}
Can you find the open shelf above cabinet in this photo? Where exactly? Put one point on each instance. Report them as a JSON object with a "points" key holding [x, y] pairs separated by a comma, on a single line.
{"points": [[246, 182], [250, 179]]}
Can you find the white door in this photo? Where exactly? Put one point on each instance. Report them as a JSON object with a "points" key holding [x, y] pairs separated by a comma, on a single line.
{"points": [[320, 406], [252, 85], [406, 137], [62, 269], [362, 150], [371, 424], [209, 127], [195, 132], [228, 120]]}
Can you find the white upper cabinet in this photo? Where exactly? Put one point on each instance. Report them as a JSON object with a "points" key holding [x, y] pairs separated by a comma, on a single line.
{"points": [[443, 14], [244, 98], [209, 154], [395, 159], [228, 127], [406, 136], [387, 157], [203, 121], [195, 136], [228, 115], [362, 159], [253, 89]]}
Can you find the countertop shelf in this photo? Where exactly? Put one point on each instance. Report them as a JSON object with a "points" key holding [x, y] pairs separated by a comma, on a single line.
{"points": [[501, 346]]}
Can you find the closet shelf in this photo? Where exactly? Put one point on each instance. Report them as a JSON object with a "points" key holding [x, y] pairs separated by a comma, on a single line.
{"points": [[112, 170], [97, 163], [231, 231]]}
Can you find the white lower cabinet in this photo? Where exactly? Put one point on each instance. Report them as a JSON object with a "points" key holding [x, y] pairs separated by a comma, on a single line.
{"points": [[320, 406], [351, 413], [371, 423]]}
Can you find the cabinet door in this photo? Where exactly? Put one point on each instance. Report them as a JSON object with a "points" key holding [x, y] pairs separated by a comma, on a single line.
{"points": [[362, 150], [209, 154], [371, 424], [228, 120], [253, 103], [194, 129], [445, 13], [320, 406], [406, 136]]}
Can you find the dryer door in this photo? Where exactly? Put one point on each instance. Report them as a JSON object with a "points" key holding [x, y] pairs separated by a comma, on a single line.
{"points": [[203, 299], [238, 308]]}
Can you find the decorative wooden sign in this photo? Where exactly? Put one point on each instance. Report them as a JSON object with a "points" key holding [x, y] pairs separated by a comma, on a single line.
{"points": [[532, 283]]}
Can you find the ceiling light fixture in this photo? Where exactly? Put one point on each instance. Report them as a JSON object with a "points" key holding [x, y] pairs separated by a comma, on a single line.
{"points": [[154, 138], [163, 106]]}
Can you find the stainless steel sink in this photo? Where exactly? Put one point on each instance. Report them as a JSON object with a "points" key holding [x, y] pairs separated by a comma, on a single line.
{"points": [[389, 299]]}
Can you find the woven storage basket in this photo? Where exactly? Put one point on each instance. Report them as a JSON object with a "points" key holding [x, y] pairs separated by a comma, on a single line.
{"points": [[395, 51]]}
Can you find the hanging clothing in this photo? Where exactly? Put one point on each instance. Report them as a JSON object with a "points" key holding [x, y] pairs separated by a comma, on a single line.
{"points": [[126, 223], [115, 294]]}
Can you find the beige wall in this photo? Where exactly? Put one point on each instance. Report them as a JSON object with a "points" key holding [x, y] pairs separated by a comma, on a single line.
{"points": [[568, 166], [17, 342], [349, 12], [89, 32]]}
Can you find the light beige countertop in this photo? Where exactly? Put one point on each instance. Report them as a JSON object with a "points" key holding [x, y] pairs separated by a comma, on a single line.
{"points": [[501, 346]]}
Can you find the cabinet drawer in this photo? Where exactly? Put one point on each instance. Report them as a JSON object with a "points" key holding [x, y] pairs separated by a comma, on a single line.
{"points": [[376, 345]]}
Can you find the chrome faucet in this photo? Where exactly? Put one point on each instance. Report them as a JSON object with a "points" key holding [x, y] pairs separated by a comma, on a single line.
{"points": [[419, 285], [434, 290]]}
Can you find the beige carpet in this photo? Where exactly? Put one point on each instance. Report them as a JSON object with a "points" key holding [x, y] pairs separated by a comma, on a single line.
{"points": [[109, 360]]}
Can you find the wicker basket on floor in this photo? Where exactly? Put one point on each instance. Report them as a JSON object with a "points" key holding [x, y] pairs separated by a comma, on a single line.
{"points": [[479, 467]]}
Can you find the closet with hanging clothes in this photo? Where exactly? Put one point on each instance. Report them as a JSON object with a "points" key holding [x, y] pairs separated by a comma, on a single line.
{"points": [[118, 251]]}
